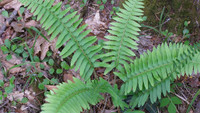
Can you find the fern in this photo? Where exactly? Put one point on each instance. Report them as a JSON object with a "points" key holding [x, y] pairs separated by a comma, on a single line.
{"points": [[124, 32], [148, 76], [180, 60], [154, 66], [72, 97], [66, 28]]}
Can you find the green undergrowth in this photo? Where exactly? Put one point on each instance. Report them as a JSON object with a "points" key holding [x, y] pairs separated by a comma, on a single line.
{"points": [[178, 11]]}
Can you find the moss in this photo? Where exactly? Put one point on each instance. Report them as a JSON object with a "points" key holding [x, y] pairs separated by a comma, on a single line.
{"points": [[177, 10]]}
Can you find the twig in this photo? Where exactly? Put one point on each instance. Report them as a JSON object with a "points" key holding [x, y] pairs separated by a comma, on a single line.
{"points": [[181, 98], [14, 13], [32, 106], [159, 25], [105, 103], [4, 104]]}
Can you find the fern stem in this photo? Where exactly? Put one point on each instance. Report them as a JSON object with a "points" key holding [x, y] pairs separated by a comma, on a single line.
{"points": [[122, 38], [95, 75]]}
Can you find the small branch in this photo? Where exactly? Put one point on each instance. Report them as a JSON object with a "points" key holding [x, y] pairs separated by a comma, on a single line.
{"points": [[105, 103], [95, 75], [181, 98], [4, 104], [14, 13]]}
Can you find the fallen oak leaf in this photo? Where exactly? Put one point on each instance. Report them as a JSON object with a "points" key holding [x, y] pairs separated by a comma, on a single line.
{"points": [[14, 4], [18, 26], [43, 46], [2, 21], [30, 24], [67, 77], [15, 60], [11, 67], [1, 75], [51, 87], [44, 49], [2, 3], [38, 43]]}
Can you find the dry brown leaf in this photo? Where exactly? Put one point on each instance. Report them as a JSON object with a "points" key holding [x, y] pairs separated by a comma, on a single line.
{"points": [[1, 75], [15, 4], [2, 21], [16, 95], [2, 3], [95, 23], [50, 87], [1, 42], [27, 15], [30, 23], [8, 33], [43, 46], [18, 26], [15, 60], [38, 44], [67, 77], [23, 109], [8, 65], [53, 47]]}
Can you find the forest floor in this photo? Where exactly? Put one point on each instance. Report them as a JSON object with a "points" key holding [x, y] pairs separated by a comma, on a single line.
{"points": [[26, 78]]}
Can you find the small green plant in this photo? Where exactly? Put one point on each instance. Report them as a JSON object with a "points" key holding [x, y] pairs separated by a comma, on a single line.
{"points": [[7, 89], [170, 102], [185, 30], [167, 34], [145, 78], [5, 13]]}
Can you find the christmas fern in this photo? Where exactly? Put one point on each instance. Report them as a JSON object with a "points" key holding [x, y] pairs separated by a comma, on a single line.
{"points": [[123, 34], [72, 97], [148, 76], [65, 26], [155, 66]]}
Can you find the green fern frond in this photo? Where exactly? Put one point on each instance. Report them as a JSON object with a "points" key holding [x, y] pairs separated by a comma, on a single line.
{"points": [[65, 26], [155, 66], [184, 63], [72, 97], [123, 34]]}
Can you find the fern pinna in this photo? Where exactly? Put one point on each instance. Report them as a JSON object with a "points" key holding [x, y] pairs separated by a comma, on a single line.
{"points": [[123, 34], [65, 26]]}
